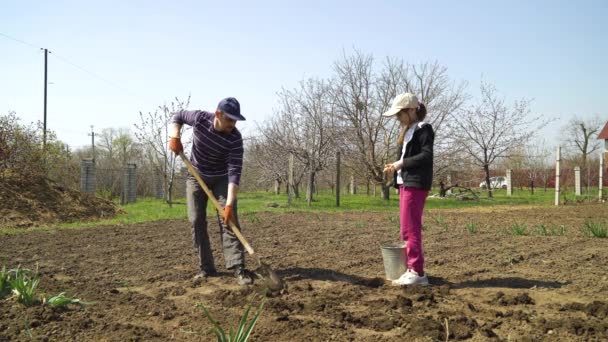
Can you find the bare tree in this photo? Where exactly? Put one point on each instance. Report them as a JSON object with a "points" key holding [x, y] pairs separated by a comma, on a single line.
{"points": [[442, 97], [581, 136], [266, 164], [489, 129], [304, 126], [362, 95], [359, 104], [536, 164], [153, 131]]}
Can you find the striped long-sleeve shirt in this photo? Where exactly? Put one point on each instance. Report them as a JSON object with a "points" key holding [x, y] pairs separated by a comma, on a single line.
{"points": [[213, 153]]}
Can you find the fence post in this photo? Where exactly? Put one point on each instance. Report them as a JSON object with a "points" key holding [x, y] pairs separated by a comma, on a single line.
{"points": [[449, 180], [129, 184], [338, 179], [87, 176], [290, 189], [577, 180], [509, 183], [601, 183], [557, 160]]}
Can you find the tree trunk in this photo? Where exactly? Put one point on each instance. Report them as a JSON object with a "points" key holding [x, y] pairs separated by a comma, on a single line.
{"points": [[169, 182], [386, 190], [486, 169], [277, 187], [532, 186], [311, 184]]}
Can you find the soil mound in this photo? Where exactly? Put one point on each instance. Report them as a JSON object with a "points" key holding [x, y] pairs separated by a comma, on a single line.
{"points": [[30, 201]]}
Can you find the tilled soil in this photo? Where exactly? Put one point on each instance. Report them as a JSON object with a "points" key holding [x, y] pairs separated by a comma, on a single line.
{"points": [[487, 283]]}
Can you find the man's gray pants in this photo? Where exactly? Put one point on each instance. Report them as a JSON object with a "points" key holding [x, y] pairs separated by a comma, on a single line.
{"points": [[197, 215]]}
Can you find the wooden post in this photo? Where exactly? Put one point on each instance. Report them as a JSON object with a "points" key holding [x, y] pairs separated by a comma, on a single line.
{"points": [[557, 160], [577, 180], [290, 180], [338, 179], [509, 183]]}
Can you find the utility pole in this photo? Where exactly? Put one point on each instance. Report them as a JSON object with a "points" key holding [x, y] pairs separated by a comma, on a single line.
{"points": [[46, 53], [92, 134]]}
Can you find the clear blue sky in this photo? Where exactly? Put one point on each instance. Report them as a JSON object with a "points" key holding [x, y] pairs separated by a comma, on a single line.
{"points": [[147, 52]]}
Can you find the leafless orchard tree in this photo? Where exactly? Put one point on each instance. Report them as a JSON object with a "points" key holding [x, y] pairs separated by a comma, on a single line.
{"points": [[537, 164], [359, 103], [489, 129], [153, 132], [268, 164], [442, 96], [581, 137], [304, 126], [362, 95]]}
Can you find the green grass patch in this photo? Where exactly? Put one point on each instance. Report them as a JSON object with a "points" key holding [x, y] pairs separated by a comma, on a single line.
{"points": [[252, 203]]}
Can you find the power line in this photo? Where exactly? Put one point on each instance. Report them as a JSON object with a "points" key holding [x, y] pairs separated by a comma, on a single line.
{"points": [[66, 61], [20, 41]]}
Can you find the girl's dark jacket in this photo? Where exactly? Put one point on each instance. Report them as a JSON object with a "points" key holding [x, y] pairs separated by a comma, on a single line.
{"points": [[417, 169]]}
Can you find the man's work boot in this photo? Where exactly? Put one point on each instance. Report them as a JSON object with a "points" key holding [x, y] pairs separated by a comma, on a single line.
{"points": [[203, 274], [242, 276]]}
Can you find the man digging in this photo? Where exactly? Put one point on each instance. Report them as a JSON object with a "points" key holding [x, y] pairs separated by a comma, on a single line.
{"points": [[217, 155]]}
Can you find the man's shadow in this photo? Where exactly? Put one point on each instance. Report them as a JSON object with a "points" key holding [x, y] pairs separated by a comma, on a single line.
{"points": [[302, 273]]}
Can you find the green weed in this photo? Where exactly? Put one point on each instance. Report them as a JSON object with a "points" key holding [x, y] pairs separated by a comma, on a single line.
{"points": [[541, 229], [519, 229], [558, 230], [60, 301], [24, 285], [472, 227], [5, 285], [595, 229], [243, 330], [441, 222]]}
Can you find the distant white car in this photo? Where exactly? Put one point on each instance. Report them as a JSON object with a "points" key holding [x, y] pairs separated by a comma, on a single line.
{"points": [[496, 183]]}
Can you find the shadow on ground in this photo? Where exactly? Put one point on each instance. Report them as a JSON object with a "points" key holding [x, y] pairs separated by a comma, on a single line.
{"points": [[301, 273]]}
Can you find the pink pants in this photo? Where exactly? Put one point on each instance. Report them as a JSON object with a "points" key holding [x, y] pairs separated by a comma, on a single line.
{"points": [[411, 205]]}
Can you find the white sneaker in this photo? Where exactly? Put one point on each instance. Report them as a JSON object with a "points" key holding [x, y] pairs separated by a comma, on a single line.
{"points": [[411, 277]]}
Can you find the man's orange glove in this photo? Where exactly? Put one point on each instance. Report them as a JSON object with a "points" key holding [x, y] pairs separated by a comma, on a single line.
{"points": [[175, 145], [228, 214]]}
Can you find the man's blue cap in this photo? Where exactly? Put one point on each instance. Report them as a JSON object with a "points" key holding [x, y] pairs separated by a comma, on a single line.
{"points": [[231, 107]]}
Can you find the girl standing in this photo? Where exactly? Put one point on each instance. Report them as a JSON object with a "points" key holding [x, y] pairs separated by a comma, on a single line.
{"points": [[413, 176]]}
